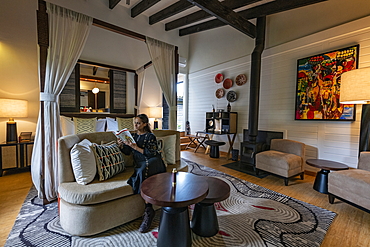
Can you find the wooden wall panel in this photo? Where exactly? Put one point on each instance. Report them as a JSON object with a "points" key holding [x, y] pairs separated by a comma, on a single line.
{"points": [[332, 140]]}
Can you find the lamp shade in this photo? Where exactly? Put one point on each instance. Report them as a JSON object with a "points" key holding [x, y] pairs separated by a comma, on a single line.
{"points": [[13, 108], [355, 86], [95, 90], [156, 112]]}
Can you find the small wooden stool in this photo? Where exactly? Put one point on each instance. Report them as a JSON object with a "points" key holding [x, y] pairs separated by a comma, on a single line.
{"points": [[215, 151], [204, 222]]}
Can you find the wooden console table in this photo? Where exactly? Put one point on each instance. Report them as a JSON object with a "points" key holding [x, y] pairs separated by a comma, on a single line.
{"points": [[19, 160], [230, 138]]}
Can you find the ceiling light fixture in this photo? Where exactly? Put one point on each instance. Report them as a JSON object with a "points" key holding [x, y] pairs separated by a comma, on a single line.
{"points": [[95, 90]]}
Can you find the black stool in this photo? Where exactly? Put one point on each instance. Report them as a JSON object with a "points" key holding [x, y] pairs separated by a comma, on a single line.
{"points": [[215, 151], [204, 221]]}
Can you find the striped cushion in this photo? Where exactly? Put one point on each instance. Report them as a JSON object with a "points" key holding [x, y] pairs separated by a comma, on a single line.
{"points": [[127, 123], [84, 125], [109, 160]]}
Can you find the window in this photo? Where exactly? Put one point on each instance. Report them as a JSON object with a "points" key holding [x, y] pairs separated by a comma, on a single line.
{"points": [[180, 102], [180, 105]]}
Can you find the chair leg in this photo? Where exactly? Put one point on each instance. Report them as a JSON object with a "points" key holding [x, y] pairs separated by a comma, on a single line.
{"points": [[198, 145], [191, 139], [286, 181], [331, 198], [257, 171], [302, 175]]}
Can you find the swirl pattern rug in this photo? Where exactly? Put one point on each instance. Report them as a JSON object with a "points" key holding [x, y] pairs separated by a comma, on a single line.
{"points": [[251, 216]]}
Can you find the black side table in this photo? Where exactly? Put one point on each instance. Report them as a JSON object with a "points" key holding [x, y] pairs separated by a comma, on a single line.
{"points": [[321, 181], [21, 155]]}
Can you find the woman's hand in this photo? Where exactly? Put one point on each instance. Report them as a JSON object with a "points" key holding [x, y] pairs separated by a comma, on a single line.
{"points": [[120, 142], [134, 146]]}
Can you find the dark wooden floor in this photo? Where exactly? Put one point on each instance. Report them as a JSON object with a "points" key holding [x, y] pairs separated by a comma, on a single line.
{"points": [[350, 228]]}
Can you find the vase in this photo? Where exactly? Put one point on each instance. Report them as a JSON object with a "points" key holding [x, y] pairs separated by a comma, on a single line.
{"points": [[228, 107]]}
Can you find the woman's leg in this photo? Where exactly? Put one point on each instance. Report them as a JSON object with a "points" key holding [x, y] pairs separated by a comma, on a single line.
{"points": [[148, 217]]}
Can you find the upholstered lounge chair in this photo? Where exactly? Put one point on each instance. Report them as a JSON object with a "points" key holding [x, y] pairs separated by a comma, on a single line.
{"points": [[353, 185], [285, 158]]}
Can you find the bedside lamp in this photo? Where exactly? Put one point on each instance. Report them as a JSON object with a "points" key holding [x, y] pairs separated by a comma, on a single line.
{"points": [[12, 108], [355, 89], [156, 112]]}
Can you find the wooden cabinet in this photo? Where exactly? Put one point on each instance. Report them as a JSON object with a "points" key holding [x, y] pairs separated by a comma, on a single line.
{"points": [[15, 155], [221, 122]]}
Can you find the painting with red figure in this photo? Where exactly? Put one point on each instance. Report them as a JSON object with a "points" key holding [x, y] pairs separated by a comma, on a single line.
{"points": [[318, 85]]}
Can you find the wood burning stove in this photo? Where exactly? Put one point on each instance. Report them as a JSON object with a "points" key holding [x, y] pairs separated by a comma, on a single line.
{"points": [[248, 149]]}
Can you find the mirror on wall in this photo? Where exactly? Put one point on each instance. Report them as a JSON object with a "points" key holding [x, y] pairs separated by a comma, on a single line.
{"points": [[94, 88]]}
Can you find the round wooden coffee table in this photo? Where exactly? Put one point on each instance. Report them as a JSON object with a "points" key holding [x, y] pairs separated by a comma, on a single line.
{"points": [[204, 221], [174, 227], [321, 181]]}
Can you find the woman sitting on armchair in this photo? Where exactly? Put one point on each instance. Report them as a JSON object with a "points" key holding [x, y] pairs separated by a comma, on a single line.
{"points": [[147, 160]]}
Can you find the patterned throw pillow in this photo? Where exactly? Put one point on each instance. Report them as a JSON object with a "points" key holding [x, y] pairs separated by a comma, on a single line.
{"points": [[127, 123], [84, 125], [169, 148], [161, 151], [109, 160]]}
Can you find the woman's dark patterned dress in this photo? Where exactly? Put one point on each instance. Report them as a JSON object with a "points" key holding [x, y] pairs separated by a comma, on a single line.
{"points": [[146, 164]]}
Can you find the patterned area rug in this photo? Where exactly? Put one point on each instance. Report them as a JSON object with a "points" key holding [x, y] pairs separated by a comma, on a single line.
{"points": [[251, 216]]}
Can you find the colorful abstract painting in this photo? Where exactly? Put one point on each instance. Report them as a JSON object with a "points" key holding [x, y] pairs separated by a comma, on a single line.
{"points": [[318, 85]]}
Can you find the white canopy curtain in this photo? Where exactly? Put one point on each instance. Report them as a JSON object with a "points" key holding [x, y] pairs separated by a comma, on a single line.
{"points": [[163, 59], [68, 32], [141, 77]]}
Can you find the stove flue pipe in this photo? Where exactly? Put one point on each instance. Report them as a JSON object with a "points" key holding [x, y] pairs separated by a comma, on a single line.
{"points": [[256, 79]]}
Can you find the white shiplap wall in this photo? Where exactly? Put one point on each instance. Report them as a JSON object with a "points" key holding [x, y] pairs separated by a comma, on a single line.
{"points": [[337, 141]]}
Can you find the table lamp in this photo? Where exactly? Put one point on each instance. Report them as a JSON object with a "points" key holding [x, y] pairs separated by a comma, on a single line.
{"points": [[355, 89], [12, 108], [156, 112]]}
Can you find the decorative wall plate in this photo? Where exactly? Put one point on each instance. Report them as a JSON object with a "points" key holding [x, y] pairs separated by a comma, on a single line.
{"points": [[219, 78], [228, 83], [231, 96], [241, 79], [220, 93]]}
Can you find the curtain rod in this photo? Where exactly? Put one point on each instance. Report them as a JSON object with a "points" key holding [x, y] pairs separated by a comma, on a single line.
{"points": [[117, 29]]}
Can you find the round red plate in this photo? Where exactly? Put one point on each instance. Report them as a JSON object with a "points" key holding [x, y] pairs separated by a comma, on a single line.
{"points": [[220, 93], [219, 78], [228, 83], [240, 79]]}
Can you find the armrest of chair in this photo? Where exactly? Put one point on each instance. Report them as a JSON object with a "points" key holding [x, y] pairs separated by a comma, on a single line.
{"points": [[364, 161]]}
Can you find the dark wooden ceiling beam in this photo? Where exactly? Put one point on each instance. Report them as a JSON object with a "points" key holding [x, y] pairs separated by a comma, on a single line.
{"points": [[258, 11], [113, 3], [142, 6], [201, 27], [226, 15], [170, 11], [201, 15], [276, 7]]}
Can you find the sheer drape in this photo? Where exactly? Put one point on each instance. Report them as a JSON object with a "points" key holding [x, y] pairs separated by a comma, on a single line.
{"points": [[140, 87], [163, 59], [68, 32]]}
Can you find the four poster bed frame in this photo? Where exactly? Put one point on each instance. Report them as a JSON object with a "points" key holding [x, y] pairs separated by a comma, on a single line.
{"points": [[43, 42]]}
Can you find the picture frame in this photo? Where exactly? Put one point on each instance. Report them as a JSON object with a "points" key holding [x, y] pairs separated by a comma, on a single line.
{"points": [[318, 85]]}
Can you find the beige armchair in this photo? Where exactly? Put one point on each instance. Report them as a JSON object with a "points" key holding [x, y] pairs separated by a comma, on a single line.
{"points": [[353, 185], [285, 158]]}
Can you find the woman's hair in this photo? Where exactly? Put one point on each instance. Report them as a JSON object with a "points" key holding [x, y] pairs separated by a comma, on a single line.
{"points": [[144, 118]]}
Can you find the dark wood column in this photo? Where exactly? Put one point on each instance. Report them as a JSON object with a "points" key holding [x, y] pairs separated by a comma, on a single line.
{"points": [[256, 79], [43, 42]]}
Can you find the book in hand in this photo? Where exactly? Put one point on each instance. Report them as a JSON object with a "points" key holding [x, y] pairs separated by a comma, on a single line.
{"points": [[124, 135]]}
